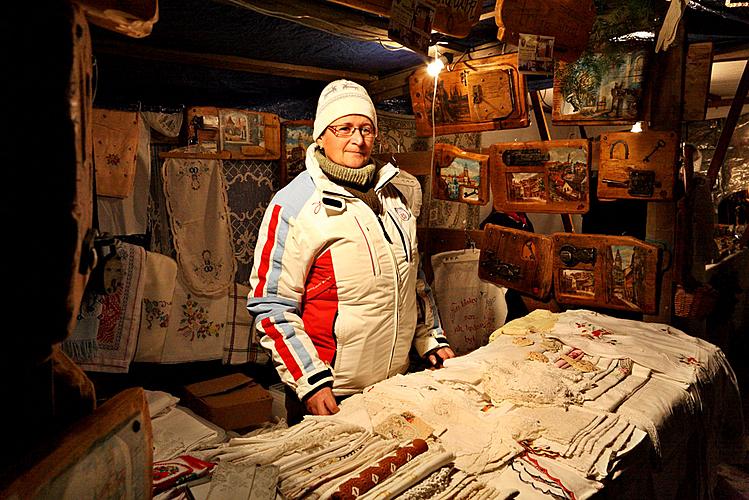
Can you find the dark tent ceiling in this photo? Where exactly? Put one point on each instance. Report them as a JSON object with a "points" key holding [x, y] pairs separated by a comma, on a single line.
{"points": [[191, 57]]}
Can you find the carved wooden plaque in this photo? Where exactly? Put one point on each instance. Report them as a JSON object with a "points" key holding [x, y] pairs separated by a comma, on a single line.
{"points": [[460, 175], [235, 133], [617, 272], [637, 165], [484, 94], [451, 18], [516, 259], [568, 21], [541, 176]]}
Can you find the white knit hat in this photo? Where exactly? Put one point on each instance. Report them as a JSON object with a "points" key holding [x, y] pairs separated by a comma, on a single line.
{"points": [[342, 98]]}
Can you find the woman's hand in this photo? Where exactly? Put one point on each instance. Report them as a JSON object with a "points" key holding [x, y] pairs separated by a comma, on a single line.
{"points": [[322, 402], [438, 356]]}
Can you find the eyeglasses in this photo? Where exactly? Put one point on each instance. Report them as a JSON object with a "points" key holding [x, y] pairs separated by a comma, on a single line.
{"points": [[367, 132]]}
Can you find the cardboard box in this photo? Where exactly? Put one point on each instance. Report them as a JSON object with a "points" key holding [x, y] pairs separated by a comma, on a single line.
{"points": [[231, 402]]}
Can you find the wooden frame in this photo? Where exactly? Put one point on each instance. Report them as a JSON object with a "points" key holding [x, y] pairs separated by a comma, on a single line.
{"points": [[638, 166], [296, 136], [600, 89], [107, 454], [483, 94], [234, 133], [460, 175], [541, 176], [617, 272]]}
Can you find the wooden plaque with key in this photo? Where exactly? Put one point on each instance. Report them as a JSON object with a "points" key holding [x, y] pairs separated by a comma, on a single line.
{"points": [[637, 165], [516, 259], [617, 272]]}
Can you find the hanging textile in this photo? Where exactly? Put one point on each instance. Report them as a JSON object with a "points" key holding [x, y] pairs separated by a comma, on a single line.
{"points": [[196, 201], [470, 308], [115, 146], [241, 342], [160, 279]]}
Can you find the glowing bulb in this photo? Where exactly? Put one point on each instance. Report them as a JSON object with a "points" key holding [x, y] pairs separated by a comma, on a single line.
{"points": [[637, 127], [434, 67]]}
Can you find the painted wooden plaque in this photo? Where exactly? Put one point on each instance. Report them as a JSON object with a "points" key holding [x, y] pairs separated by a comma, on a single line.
{"points": [[541, 176], [600, 89], [637, 165], [235, 133], [516, 259], [451, 18], [296, 136], [484, 94], [568, 21], [617, 272], [460, 175]]}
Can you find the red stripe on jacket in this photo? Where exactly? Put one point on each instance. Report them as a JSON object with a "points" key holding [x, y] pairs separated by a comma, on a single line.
{"points": [[262, 271], [320, 306], [283, 350]]}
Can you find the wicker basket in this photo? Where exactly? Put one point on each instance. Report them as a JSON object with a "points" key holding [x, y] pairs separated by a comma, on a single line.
{"points": [[696, 303]]}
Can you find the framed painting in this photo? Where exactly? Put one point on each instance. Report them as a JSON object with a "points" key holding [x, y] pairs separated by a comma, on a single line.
{"points": [[296, 136], [600, 89], [541, 176], [483, 94], [460, 175]]}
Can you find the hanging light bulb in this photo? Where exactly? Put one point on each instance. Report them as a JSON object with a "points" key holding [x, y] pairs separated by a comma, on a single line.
{"points": [[435, 67], [637, 127]]}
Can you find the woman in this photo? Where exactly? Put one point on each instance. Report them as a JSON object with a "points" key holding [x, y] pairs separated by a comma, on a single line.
{"points": [[334, 287]]}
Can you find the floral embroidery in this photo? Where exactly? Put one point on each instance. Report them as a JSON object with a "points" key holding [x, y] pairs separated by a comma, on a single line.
{"points": [[593, 332], [209, 268], [690, 360], [194, 171], [113, 160], [195, 322], [157, 310]]}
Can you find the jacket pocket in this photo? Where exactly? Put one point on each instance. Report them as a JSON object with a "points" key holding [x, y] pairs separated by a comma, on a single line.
{"points": [[366, 233]]}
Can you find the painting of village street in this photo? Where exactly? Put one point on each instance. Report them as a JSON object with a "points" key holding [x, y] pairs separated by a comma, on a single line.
{"points": [[239, 129], [460, 181], [578, 282], [626, 283], [598, 87]]}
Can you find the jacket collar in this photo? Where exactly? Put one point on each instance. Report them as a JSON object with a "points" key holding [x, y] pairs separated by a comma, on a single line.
{"points": [[383, 176]]}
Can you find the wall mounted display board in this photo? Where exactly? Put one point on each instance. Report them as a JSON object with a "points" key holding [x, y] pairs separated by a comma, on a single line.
{"points": [[483, 94], [451, 18], [460, 175], [296, 136], [541, 176], [637, 165], [568, 21], [600, 89], [235, 133], [617, 272], [516, 259], [697, 77]]}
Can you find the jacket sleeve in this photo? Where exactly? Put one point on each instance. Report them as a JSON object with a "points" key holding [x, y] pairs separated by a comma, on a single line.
{"points": [[429, 334], [277, 283]]}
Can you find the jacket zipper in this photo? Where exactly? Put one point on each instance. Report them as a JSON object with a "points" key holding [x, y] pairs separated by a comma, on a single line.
{"points": [[403, 238], [369, 246], [396, 293]]}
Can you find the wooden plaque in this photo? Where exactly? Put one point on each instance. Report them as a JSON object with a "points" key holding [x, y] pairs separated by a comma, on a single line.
{"points": [[697, 80], [568, 21], [600, 89], [451, 18], [516, 259], [460, 175], [235, 133], [484, 94], [637, 165], [541, 176], [296, 136], [617, 272]]}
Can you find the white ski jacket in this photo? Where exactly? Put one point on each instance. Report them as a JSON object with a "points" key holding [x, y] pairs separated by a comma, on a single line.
{"points": [[334, 286]]}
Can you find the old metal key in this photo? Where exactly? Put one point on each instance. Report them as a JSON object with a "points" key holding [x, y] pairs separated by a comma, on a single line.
{"points": [[658, 145]]}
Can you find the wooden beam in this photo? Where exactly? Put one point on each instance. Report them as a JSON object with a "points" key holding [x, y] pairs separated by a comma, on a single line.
{"points": [[393, 85], [137, 51], [728, 127]]}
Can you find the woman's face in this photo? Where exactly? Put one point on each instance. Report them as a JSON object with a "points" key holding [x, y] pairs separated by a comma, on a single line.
{"points": [[352, 151]]}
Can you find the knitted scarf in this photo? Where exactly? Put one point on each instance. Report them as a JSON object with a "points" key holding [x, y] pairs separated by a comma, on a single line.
{"points": [[358, 181]]}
